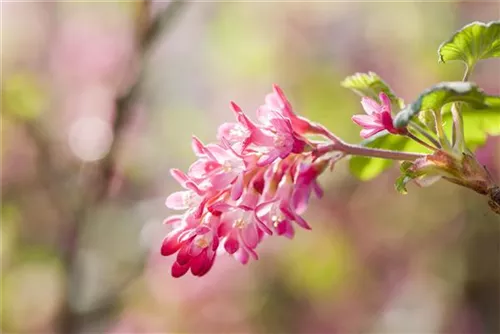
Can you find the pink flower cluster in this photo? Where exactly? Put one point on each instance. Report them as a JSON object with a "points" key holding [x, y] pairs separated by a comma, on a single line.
{"points": [[254, 182]]}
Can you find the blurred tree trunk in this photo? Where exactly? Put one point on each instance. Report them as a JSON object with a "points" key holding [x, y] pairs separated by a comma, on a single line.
{"points": [[148, 30]]}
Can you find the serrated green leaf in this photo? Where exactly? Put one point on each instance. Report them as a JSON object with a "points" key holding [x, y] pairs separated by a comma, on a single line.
{"points": [[370, 85], [443, 93], [366, 168], [473, 42]]}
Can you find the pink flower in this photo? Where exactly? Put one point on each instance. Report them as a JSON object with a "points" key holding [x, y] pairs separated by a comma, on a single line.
{"points": [[378, 117], [279, 213], [217, 166], [239, 133], [195, 246], [255, 180], [240, 229], [270, 139], [305, 183], [191, 199], [280, 139], [277, 101]]}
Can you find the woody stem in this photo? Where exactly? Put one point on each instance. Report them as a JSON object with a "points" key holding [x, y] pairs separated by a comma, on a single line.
{"points": [[379, 153], [351, 149]]}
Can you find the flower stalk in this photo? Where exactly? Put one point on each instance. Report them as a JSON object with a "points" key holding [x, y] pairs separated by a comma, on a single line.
{"points": [[425, 133], [443, 140], [358, 150]]}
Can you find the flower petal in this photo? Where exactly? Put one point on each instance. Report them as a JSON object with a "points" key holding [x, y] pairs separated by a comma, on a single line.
{"points": [[202, 168], [241, 255], [183, 256], [179, 176], [367, 133], [237, 189], [179, 270], [227, 130], [198, 263], [366, 121], [285, 228], [197, 146], [318, 190], [231, 245], [263, 209], [222, 180], [370, 106], [290, 214], [386, 101], [224, 228], [249, 235], [265, 114], [173, 219], [171, 243], [194, 250], [269, 158], [206, 268], [177, 200]]}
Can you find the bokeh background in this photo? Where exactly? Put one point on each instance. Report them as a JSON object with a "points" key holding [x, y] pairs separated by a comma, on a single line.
{"points": [[99, 101]]}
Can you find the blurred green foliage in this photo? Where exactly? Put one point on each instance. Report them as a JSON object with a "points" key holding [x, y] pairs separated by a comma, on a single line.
{"points": [[319, 98], [321, 266], [23, 96], [32, 289], [242, 48]]}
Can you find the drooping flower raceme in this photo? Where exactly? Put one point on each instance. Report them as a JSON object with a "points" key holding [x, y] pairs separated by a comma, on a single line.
{"points": [[254, 182]]}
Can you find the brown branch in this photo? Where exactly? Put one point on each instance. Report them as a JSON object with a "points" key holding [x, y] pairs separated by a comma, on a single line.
{"points": [[123, 104], [70, 320], [47, 173]]}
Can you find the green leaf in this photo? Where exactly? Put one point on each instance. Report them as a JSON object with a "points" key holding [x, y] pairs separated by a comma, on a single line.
{"points": [[407, 175], [366, 168], [443, 93], [473, 42], [428, 119], [401, 183], [478, 124], [405, 165], [370, 85]]}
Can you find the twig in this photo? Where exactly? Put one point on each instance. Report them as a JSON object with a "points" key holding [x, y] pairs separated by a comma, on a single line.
{"points": [[46, 170], [123, 104], [69, 319]]}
